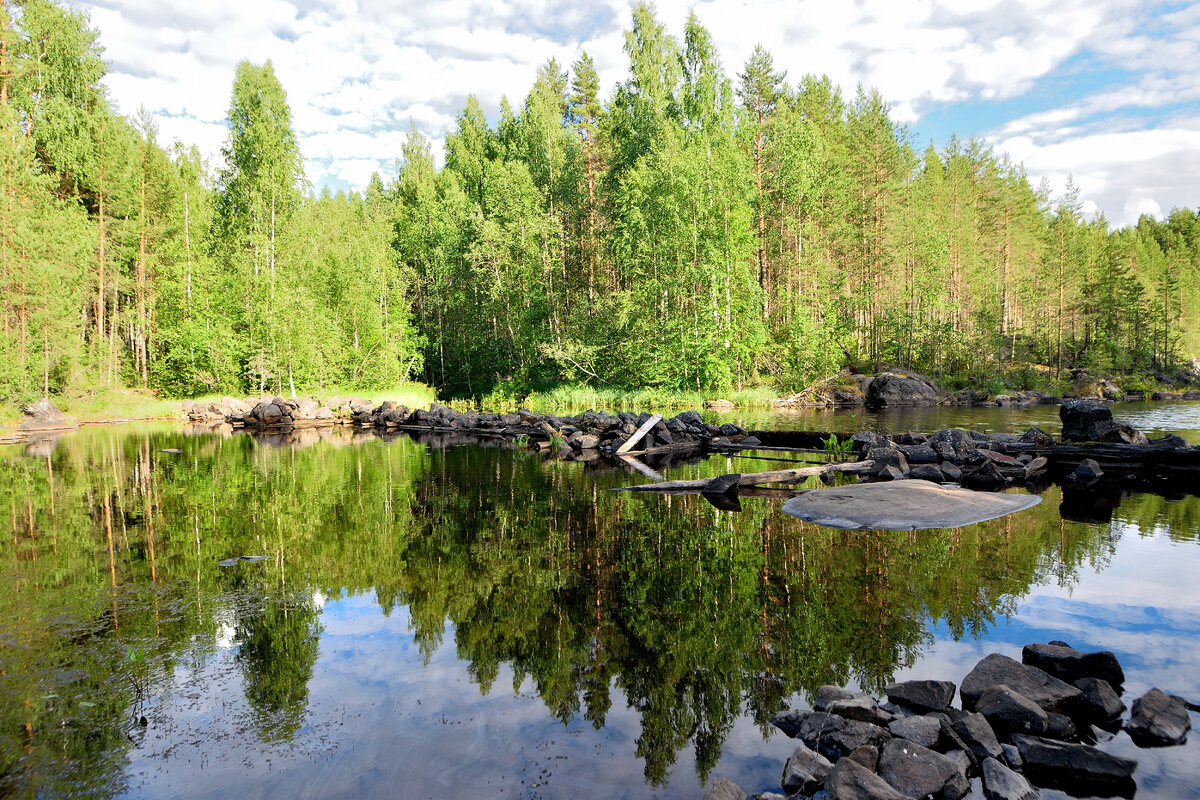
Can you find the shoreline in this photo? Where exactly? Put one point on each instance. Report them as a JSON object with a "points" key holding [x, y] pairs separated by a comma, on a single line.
{"points": [[13, 433]]}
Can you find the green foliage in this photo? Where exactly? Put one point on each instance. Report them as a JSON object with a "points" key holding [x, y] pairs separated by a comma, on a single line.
{"points": [[696, 234], [836, 450]]}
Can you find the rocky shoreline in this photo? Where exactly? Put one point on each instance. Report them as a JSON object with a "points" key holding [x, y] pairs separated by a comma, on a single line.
{"points": [[898, 387], [1021, 725]]}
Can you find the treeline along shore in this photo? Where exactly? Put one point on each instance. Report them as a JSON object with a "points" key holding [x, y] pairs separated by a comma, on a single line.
{"points": [[699, 227]]}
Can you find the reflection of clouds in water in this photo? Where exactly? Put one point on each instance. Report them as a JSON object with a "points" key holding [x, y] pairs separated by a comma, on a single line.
{"points": [[226, 627]]}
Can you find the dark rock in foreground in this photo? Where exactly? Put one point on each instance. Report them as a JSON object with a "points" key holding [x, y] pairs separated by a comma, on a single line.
{"points": [[1001, 783], [1158, 720], [850, 780], [976, 733], [916, 771], [1077, 768], [805, 771]]}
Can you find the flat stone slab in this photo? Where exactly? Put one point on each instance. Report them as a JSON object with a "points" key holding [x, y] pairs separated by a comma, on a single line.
{"points": [[906, 505]]}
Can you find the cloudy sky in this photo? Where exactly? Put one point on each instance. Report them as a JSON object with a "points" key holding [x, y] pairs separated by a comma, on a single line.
{"points": [[1105, 90]]}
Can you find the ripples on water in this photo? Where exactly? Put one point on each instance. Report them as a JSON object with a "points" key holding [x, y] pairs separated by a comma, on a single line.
{"points": [[434, 621]]}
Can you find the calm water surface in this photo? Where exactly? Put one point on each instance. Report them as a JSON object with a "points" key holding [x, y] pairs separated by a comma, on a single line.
{"points": [[435, 621]]}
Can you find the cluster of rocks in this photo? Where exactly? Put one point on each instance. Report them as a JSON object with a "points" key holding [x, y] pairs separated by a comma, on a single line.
{"points": [[1092, 421], [591, 430], [983, 461], [1022, 724], [273, 412]]}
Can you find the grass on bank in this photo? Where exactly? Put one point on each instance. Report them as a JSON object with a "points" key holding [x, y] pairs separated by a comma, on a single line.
{"points": [[118, 404], [577, 397]]}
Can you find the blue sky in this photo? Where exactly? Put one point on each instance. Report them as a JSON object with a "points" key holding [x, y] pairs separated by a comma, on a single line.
{"points": [[1106, 91]]}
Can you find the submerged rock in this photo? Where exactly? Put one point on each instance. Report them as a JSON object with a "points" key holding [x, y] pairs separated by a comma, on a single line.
{"points": [[903, 505]]}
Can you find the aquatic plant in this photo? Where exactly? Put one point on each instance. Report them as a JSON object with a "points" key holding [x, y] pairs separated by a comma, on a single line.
{"points": [[837, 450]]}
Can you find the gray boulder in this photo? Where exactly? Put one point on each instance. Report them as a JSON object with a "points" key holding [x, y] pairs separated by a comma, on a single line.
{"points": [[829, 693], [724, 789], [917, 771], [927, 472], [1079, 418], [1037, 437], [953, 444], [1158, 720], [805, 771], [1100, 701], [1068, 664], [925, 731], [863, 709], [1048, 692], [849, 780], [922, 695], [1008, 712], [1001, 783], [836, 737], [1077, 768], [976, 733], [895, 389]]}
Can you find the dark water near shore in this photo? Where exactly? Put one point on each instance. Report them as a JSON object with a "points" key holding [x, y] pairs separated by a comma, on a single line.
{"points": [[458, 621]]}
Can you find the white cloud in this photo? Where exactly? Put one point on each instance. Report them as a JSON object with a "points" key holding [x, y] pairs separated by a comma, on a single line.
{"points": [[357, 73]]}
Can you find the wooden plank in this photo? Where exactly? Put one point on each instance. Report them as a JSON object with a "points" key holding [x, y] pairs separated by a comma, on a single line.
{"points": [[752, 478], [639, 433]]}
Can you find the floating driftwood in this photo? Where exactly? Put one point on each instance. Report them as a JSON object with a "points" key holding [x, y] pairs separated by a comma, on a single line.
{"points": [[753, 478], [903, 506]]}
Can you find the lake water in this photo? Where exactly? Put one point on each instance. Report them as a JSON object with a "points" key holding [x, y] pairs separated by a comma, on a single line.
{"points": [[437, 621]]}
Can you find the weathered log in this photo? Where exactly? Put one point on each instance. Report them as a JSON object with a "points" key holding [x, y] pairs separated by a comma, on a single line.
{"points": [[639, 433], [753, 478]]}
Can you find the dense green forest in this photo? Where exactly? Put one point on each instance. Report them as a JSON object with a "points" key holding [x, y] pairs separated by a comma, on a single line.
{"points": [[699, 230]]}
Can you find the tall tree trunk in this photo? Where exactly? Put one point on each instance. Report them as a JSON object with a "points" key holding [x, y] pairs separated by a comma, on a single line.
{"points": [[141, 286]]}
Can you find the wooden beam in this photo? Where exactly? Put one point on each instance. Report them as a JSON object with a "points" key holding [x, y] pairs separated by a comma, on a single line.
{"points": [[752, 478], [639, 433]]}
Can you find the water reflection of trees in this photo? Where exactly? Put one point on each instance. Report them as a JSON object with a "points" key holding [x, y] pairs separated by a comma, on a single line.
{"points": [[693, 616]]}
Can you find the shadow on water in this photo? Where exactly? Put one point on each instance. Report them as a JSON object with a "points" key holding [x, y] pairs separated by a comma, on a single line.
{"points": [[404, 582]]}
